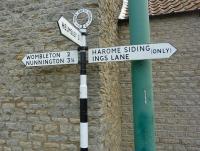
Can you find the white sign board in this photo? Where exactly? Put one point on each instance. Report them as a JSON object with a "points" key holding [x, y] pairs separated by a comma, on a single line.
{"points": [[51, 58], [133, 52], [70, 31]]}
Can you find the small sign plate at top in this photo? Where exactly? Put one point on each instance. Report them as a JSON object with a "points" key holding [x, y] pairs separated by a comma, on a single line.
{"points": [[89, 18], [69, 31]]}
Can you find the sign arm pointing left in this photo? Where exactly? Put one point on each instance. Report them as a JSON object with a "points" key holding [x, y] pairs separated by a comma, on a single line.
{"points": [[51, 58]]}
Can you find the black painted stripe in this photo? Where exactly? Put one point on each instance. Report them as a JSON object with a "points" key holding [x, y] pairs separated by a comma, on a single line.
{"points": [[83, 111], [82, 48], [82, 62], [84, 149]]}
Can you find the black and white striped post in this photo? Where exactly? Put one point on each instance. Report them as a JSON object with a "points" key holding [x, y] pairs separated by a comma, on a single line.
{"points": [[83, 95], [79, 37], [83, 77]]}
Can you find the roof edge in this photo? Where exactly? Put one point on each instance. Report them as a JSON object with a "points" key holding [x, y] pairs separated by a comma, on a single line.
{"points": [[124, 10], [197, 11]]}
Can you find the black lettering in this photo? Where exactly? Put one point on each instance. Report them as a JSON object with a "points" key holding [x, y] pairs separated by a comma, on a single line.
{"points": [[148, 48], [39, 62], [68, 54], [28, 63], [159, 50], [106, 58], [45, 62], [102, 58], [68, 60], [99, 51], [142, 48], [94, 51], [133, 49], [28, 57], [125, 49], [120, 57], [96, 58], [167, 49], [103, 51], [127, 56], [72, 60]]}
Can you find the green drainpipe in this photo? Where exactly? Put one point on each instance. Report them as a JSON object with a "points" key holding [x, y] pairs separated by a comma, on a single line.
{"points": [[142, 91]]}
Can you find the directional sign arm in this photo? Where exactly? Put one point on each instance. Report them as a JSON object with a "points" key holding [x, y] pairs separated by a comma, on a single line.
{"points": [[132, 52], [69, 31], [51, 58]]}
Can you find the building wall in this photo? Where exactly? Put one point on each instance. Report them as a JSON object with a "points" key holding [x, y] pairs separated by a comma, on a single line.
{"points": [[176, 84], [39, 106], [109, 76]]}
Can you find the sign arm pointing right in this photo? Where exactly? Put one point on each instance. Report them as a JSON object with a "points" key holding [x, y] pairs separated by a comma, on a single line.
{"points": [[132, 52]]}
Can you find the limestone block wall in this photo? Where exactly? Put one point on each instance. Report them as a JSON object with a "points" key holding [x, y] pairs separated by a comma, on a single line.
{"points": [[176, 84], [39, 106], [109, 76]]}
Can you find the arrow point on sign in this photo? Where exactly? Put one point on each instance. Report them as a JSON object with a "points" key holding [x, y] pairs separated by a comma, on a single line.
{"points": [[23, 60], [173, 49]]}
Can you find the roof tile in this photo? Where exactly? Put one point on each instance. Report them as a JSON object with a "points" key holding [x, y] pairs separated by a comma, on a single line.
{"points": [[162, 7]]}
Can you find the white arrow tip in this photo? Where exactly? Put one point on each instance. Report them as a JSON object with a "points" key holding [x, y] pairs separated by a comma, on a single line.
{"points": [[173, 49], [24, 60]]}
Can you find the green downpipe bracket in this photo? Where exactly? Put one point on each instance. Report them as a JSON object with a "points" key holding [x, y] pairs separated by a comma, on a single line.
{"points": [[142, 91]]}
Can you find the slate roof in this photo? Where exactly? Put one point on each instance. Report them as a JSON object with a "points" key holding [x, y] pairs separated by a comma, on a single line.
{"points": [[162, 7]]}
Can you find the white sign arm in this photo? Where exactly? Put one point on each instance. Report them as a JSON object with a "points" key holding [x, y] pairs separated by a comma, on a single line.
{"points": [[69, 31]]}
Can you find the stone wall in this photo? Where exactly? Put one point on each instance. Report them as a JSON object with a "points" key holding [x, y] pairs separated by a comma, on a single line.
{"points": [[176, 84], [39, 106], [109, 76]]}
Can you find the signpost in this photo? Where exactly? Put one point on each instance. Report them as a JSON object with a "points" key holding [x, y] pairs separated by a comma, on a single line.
{"points": [[70, 31], [143, 52], [70, 57], [83, 79], [133, 52], [51, 58]]}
